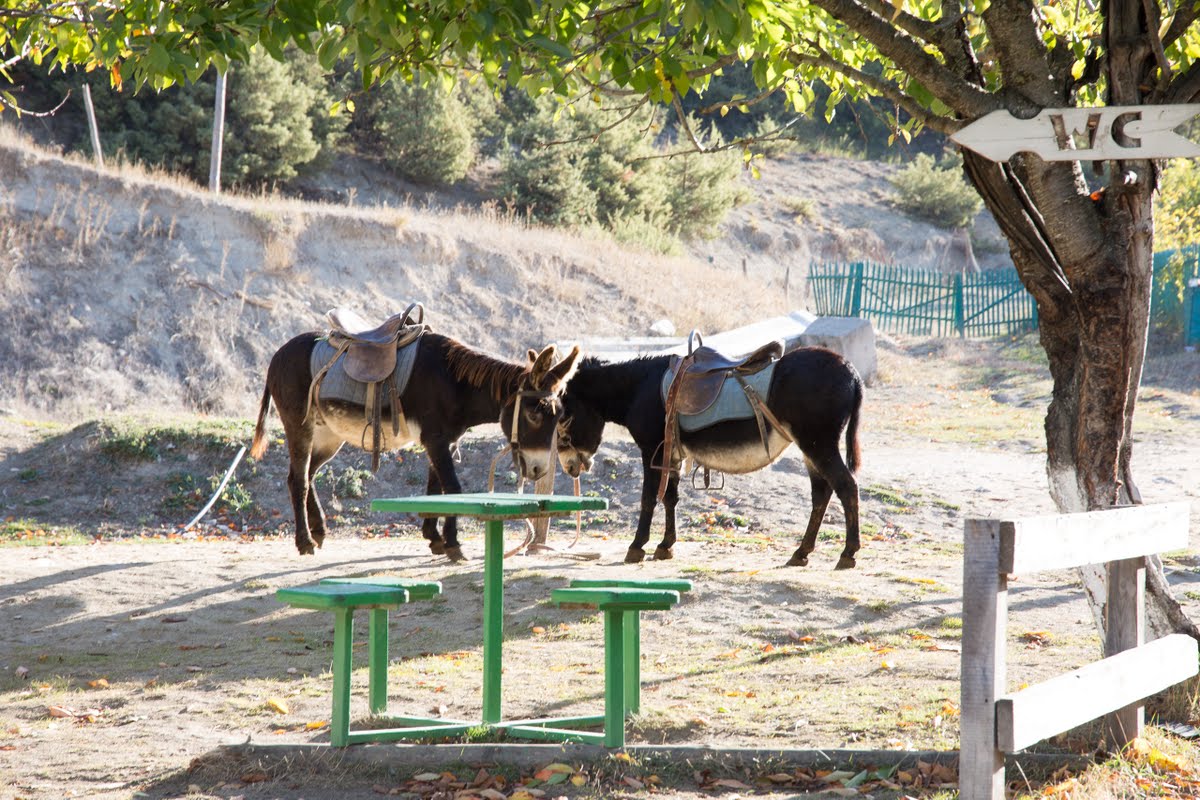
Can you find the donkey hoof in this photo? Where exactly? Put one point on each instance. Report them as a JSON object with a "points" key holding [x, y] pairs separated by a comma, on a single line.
{"points": [[437, 548], [635, 555], [845, 562], [663, 554], [305, 548], [797, 560], [318, 539], [455, 554]]}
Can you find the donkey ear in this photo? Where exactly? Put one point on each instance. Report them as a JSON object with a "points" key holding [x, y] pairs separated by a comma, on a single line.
{"points": [[561, 373], [541, 364], [531, 355]]}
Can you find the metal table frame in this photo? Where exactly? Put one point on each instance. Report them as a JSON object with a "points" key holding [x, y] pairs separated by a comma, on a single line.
{"points": [[493, 509]]}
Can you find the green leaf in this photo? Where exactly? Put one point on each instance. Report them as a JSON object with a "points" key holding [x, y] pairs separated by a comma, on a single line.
{"points": [[551, 46]]}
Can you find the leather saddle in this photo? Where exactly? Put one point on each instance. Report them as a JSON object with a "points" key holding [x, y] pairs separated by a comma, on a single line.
{"points": [[694, 382], [370, 356], [703, 372], [371, 352]]}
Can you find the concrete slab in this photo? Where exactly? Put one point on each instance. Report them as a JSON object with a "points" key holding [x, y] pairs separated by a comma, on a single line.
{"points": [[851, 337]]}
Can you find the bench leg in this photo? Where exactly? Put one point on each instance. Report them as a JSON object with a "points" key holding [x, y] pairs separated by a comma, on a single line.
{"points": [[343, 640], [378, 660], [633, 662], [614, 679]]}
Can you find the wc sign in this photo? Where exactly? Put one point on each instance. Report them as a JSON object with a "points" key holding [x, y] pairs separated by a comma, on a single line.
{"points": [[1084, 134]]}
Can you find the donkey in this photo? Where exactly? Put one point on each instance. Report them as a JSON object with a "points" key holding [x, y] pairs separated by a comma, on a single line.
{"points": [[453, 387], [814, 395]]}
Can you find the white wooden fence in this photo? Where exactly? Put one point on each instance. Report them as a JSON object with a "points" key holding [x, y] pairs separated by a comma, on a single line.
{"points": [[995, 722]]}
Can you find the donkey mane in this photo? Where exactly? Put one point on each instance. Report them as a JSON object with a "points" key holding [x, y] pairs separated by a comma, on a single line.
{"points": [[482, 370]]}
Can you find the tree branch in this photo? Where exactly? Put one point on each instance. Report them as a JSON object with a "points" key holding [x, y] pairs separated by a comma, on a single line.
{"points": [[883, 88], [1185, 15], [1021, 54], [966, 99]]}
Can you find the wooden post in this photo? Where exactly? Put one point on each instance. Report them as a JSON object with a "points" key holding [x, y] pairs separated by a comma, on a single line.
{"points": [[93, 129], [985, 613], [1125, 612], [218, 136]]}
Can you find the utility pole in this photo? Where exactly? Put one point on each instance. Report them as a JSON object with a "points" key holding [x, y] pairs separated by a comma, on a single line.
{"points": [[218, 136]]}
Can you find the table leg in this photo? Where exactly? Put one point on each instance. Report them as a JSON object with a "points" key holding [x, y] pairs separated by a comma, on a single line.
{"points": [[377, 639], [343, 641], [614, 678], [633, 663], [493, 617]]}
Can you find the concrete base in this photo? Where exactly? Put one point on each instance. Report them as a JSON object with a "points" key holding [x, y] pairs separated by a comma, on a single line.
{"points": [[850, 337]]}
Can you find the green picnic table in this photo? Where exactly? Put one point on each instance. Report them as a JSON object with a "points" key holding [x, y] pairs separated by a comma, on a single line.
{"points": [[493, 509]]}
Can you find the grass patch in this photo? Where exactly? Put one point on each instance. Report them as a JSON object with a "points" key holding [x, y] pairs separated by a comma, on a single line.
{"points": [[31, 533], [132, 439]]}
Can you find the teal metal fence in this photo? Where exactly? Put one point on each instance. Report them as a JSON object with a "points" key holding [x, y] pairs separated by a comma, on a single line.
{"points": [[921, 302], [988, 303], [1173, 300]]}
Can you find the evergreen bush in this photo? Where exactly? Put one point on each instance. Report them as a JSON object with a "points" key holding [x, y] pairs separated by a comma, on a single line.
{"points": [[935, 194], [423, 133]]}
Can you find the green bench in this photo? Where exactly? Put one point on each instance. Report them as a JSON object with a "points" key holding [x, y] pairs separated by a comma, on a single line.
{"points": [[344, 596], [622, 602]]}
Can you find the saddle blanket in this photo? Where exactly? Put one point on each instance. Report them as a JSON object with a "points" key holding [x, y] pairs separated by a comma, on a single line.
{"points": [[336, 385], [731, 403]]}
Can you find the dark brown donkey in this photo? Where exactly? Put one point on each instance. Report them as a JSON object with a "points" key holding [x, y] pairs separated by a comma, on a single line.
{"points": [[814, 395], [452, 388]]}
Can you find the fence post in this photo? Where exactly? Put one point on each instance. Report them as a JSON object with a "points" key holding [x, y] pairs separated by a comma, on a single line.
{"points": [[983, 665], [856, 284], [960, 322], [1125, 610]]}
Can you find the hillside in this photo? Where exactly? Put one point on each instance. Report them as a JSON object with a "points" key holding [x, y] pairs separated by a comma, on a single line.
{"points": [[125, 290]]}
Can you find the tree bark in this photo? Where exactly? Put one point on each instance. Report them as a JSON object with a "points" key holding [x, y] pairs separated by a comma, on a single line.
{"points": [[1088, 265]]}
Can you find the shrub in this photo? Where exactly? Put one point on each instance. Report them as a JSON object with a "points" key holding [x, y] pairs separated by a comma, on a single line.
{"points": [[935, 194], [422, 132], [702, 187], [605, 171]]}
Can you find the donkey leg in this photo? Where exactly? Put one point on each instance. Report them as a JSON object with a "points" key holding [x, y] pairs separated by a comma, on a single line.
{"points": [[441, 463], [429, 527], [670, 500], [846, 487], [299, 454], [821, 492], [324, 448], [637, 552]]}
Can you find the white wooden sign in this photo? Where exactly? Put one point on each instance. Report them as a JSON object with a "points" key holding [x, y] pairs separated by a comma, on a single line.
{"points": [[1084, 134]]}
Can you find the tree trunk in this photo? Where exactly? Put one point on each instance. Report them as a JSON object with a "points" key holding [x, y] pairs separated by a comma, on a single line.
{"points": [[1088, 265]]}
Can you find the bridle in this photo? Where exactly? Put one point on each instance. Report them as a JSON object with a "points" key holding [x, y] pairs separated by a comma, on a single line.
{"points": [[514, 435]]}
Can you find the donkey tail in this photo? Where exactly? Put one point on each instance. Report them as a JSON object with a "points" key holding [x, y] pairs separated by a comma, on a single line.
{"points": [[853, 453], [259, 445]]}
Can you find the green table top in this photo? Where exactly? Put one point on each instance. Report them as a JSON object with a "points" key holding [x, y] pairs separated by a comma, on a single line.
{"points": [[490, 505]]}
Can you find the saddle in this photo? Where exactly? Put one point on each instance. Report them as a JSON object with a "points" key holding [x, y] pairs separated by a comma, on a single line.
{"points": [[695, 384], [704, 370], [369, 356]]}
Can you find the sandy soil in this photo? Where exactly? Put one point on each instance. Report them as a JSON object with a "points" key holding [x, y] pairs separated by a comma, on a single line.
{"points": [[160, 649]]}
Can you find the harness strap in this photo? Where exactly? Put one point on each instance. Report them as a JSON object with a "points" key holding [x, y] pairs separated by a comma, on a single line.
{"points": [[668, 456]]}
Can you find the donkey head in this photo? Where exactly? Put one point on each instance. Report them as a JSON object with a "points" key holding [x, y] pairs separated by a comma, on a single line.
{"points": [[580, 430], [530, 418]]}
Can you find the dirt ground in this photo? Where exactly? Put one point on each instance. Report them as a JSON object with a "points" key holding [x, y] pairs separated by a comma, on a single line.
{"points": [[138, 652]]}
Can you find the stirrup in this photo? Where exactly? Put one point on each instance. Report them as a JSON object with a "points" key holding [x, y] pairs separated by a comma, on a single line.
{"points": [[707, 485]]}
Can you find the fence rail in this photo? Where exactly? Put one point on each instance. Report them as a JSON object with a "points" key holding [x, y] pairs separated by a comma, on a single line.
{"points": [[989, 303]]}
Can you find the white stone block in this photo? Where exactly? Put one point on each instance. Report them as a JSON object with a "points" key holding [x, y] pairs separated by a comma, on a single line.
{"points": [[851, 337]]}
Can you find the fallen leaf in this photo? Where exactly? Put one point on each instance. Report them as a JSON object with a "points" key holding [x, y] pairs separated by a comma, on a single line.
{"points": [[315, 725], [255, 777], [278, 705], [99, 683], [730, 783], [427, 777]]}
